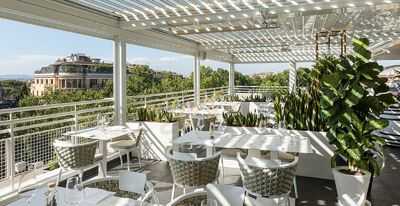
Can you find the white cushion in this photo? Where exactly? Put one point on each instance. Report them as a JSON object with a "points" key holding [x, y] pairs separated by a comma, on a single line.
{"points": [[226, 195], [132, 182], [123, 144]]}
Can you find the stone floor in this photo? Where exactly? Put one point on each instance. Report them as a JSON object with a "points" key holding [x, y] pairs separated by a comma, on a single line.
{"points": [[312, 192]]}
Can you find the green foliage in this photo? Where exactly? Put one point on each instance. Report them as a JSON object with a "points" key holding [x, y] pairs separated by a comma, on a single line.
{"points": [[353, 97], [240, 120], [256, 98], [231, 98], [301, 109], [278, 109], [154, 115], [53, 164], [273, 79], [62, 96], [13, 89]]}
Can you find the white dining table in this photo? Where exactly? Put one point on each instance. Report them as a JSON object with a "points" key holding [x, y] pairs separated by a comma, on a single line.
{"points": [[103, 134], [93, 197], [267, 142]]}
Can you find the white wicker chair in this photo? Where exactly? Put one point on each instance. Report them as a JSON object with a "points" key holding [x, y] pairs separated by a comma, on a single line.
{"points": [[75, 156], [272, 180], [131, 144], [196, 172], [127, 185]]}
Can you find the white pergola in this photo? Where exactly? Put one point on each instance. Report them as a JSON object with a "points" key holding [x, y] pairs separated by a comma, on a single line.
{"points": [[232, 31]]}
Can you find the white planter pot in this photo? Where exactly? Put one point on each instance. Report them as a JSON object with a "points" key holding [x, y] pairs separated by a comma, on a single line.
{"points": [[351, 189], [158, 137], [316, 164], [244, 108]]}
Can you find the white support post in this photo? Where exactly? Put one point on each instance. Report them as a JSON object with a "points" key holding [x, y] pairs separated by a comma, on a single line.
{"points": [[119, 84], [231, 84], [292, 76], [196, 80]]}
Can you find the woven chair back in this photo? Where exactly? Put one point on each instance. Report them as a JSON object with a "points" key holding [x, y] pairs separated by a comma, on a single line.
{"points": [[268, 182], [74, 156], [194, 173]]}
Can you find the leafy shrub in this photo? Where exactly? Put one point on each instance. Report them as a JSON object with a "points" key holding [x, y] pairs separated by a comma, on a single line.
{"points": [[154, 115], [240, 120]]}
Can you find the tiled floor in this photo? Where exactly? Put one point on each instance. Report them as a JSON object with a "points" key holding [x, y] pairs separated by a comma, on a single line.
{"points": [[312, 192]]}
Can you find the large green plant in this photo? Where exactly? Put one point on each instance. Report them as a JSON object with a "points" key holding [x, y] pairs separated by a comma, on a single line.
{"points": [[301, 109], [353, 97]]}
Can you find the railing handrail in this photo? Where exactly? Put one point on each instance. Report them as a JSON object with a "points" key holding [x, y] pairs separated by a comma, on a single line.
{"points": [[272, 86], [177, 92], [105, 100], [52, 106]]}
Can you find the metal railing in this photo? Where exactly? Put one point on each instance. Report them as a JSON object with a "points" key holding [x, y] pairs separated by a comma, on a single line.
{"points": [[27, 133], [259, 89], [170, 99]]}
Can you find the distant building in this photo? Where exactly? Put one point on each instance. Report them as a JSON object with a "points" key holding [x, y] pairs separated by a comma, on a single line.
{"points": [[73, 72]]}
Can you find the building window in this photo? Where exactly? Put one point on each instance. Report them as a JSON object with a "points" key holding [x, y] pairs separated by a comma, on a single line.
{"points": [[47, 81], [75, 83], [93, 83], [41, 81], [63, 83], [37, 81], [69, 83], [51, 81]]}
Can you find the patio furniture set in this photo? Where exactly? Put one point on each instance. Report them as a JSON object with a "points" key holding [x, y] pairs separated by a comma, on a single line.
{"points": [[266, 163]]}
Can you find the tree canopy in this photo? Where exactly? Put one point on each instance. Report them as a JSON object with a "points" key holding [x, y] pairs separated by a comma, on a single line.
{"points": [[144, 80]]}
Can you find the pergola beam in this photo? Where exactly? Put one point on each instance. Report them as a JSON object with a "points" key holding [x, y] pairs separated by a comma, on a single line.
{"points": [[78, 19], [185, 15]]}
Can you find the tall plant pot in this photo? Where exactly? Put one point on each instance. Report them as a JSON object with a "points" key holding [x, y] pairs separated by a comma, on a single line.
{"points": [[351, 189]]}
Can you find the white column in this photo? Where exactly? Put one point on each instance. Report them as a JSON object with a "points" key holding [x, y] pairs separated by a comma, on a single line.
{"points": [[119, 81], [292, 76], [196, 80], [231, 84]]}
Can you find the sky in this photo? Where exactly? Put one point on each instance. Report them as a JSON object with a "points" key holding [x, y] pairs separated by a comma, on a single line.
{"points": [[25, 48]]}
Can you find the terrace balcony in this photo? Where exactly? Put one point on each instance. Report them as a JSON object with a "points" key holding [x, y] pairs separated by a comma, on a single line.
{"points": [[28, 133], [242, 32]]}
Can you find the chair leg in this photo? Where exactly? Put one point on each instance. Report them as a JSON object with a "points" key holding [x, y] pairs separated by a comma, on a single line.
{"points": [[103, 170], [21, 178], [59, 177], [173, 192], [222, 170], [139, 156], [81, 175], [120, 158], [296, 194], [128, 154]]}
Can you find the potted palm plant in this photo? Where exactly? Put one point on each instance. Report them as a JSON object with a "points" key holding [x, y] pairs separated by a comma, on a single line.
{"points": [[352, 98]]}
